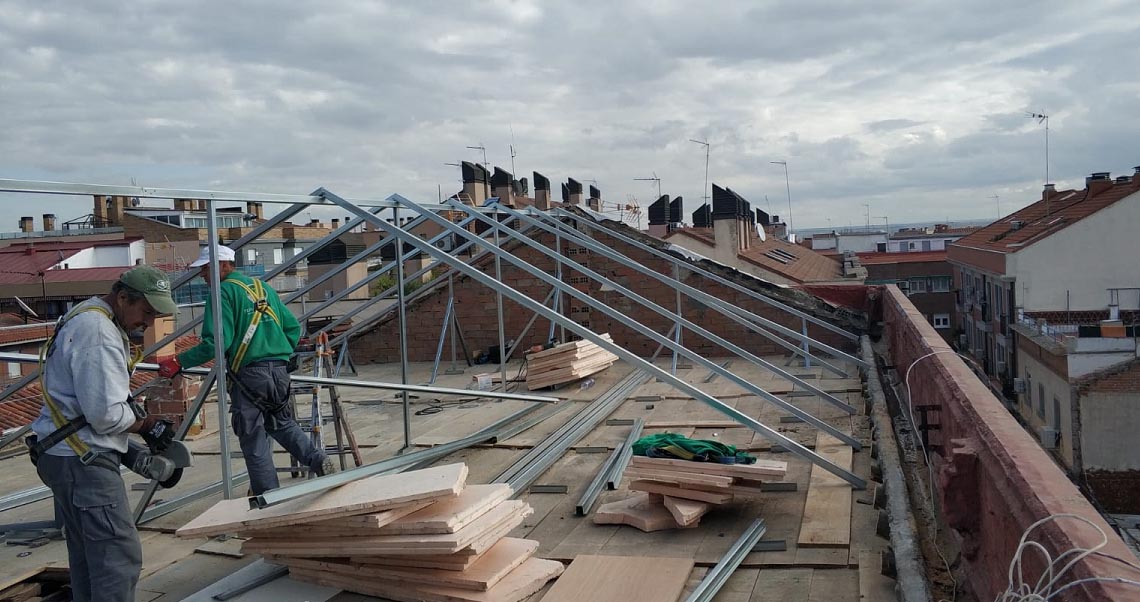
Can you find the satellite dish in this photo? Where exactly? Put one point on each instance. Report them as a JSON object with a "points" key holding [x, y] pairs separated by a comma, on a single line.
{"points": [[24, 306], [760, 233]]}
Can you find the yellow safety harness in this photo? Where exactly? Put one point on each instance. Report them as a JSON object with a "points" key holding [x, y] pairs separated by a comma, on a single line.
{"points": [[77, 445], [261, 307]]}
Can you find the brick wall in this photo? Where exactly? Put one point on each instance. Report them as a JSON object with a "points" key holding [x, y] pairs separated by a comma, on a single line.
{"points": [[994, 480], [476, 309]]}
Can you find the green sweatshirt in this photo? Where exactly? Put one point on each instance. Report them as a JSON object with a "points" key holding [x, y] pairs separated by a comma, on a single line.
{"points": [[270, 341]]}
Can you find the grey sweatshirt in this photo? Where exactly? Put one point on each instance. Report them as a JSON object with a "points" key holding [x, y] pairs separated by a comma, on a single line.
{"points": [[87, 374]]}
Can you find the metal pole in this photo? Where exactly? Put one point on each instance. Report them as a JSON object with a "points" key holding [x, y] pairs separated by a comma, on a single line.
{"points": [[499, 308], [219, 346], [528, 303], [558, 303], [677, 332], [403, 334], [442, 335], [807, 356], [450, 322]]}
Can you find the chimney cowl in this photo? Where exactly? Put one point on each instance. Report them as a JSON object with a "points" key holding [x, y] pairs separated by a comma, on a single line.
{"points": [[1100, 175]]}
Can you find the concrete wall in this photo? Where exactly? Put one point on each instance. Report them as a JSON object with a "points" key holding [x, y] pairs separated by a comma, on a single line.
{"points": [[1042, 379], [106, 256], [993, 479], [1110, 421], [1083, 259]]}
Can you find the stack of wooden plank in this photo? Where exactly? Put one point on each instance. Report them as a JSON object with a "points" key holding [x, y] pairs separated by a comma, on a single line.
{"points": [[420, 535], [565, 363], [677, 493]]}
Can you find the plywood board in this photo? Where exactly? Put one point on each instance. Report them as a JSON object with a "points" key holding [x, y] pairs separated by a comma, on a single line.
{"points": [[641, 511], [686, 512], [761, 470], [621, 579], [452, 514], [504, 516], [449, 562], [873, 585], [688, 494], [688, 478], [827, 512], [376, 520], [566, 347], [358, 497], [483, 574], [525, 580]]}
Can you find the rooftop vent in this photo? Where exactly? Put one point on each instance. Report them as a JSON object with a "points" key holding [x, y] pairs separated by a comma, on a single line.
{"points": [[1016, 224]]}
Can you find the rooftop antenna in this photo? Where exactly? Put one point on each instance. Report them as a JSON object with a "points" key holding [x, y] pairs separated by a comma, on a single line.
{"points": [[770, 205], [997, 200], [867, 211], [653, 179], [484, 149], [708, 148], [1042, 117], [513, 149], [788, 185]]}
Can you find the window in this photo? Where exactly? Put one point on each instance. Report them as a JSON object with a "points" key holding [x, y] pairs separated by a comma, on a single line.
{"points": [[13, 369], [910, 246], [940, 284], [999, 308], [926, 245], [278, 256], [942, 320], [250, 256], [881, 247], [1041, 399], [917, 285]]}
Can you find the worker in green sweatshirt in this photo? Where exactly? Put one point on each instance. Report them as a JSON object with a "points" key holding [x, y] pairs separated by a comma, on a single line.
{"points": [[259, 334]]}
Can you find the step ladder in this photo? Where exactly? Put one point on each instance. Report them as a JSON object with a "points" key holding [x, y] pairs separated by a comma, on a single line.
{"points": [[314, 420]]}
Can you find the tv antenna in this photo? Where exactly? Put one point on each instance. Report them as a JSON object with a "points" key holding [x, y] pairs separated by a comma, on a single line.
{"points": [[484, 149], [997, 200], [1042, 117], [653, 179], [512, 147], [708, 148], [24, 306]]}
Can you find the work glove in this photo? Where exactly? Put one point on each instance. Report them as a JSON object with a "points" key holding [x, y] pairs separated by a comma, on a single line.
{"points": [[169, 367], [156, 432]]}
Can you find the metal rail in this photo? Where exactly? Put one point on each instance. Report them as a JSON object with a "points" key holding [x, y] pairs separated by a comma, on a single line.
{"points": [[715, 579], [606, 474]]}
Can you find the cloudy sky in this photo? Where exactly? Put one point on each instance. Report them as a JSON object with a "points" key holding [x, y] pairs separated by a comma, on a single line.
{"points": [[917, 109]]}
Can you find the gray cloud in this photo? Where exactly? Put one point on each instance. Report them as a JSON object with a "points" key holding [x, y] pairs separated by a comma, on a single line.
{"points": [[915, 108]]}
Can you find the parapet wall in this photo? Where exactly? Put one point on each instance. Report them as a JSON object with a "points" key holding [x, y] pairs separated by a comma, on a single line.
{"points": [[994, 479]]}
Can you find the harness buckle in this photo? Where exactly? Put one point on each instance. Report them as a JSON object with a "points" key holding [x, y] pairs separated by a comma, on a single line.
{"points": [[89, 457]]}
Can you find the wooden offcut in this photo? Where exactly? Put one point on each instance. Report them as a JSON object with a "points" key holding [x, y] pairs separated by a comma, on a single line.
{"points": [[761, 470], [711, 497], [521, 582], [827, 512], [686, 512], [566, 363], [364, 496], [641, 511], [621, 579], [676, 476]]}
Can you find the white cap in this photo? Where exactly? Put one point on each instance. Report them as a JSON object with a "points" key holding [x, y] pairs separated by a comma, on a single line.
{"points": [[224, 254]]}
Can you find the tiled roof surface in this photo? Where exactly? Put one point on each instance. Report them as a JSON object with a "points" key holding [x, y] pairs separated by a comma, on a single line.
{"points": [[889, 258], [962, 231], [804, 266], [23, 406], [11, 335], [1065, 208]]}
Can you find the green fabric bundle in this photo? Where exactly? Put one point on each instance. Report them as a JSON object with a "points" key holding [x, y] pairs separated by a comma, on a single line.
{"points": [[672, 445]]}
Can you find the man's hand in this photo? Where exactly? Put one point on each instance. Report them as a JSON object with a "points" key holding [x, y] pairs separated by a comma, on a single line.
{"points": [[156, 431], [169, 367]]}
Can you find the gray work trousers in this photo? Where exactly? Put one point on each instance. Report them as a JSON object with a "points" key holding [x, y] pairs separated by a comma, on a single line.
{"points": [[103, 549], [268, 381]]}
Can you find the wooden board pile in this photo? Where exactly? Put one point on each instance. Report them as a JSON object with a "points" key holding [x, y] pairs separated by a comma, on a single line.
{"points": [[565, 363], [677, 493], [418, 536]]}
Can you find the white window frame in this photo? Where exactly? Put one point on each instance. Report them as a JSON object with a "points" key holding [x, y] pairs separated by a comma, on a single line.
{"points": [[278, 256], [251, 256], [918, 285], [940, 284], [940, 321]]}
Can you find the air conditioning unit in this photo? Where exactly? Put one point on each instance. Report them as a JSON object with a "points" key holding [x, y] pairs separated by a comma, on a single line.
{"points": [[1019, 385], [1048, 437]]}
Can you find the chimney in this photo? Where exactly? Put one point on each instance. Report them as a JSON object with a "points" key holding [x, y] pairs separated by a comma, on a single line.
{"points": [[595, 200], [314, 223], [574, 188], [501, 183], [541, 192], [676, 209], [49, 222], [474, 183], [727, 207], [183, 205], [100, 210], [251, 208], [1097, 183], [1136, 177], [565, 194], [335, 223], [702, 217], [115, 213], [777, 228], [659, 217], [27, 224]]}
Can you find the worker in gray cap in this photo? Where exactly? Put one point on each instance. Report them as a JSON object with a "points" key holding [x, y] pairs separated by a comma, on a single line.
{"points": [[85, 376]]}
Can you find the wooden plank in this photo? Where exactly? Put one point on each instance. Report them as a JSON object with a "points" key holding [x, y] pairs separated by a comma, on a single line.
{"points": [[827, 512], [783, 585], [450, 562], [689, 478], [506, 516], [376, 520], [358, 497], [565, 347], [516, 586], [641, 511], [621, 579], [688, 494], [686, 512], [873, 585], [483, 574], [452, 514], [762, 468]]}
